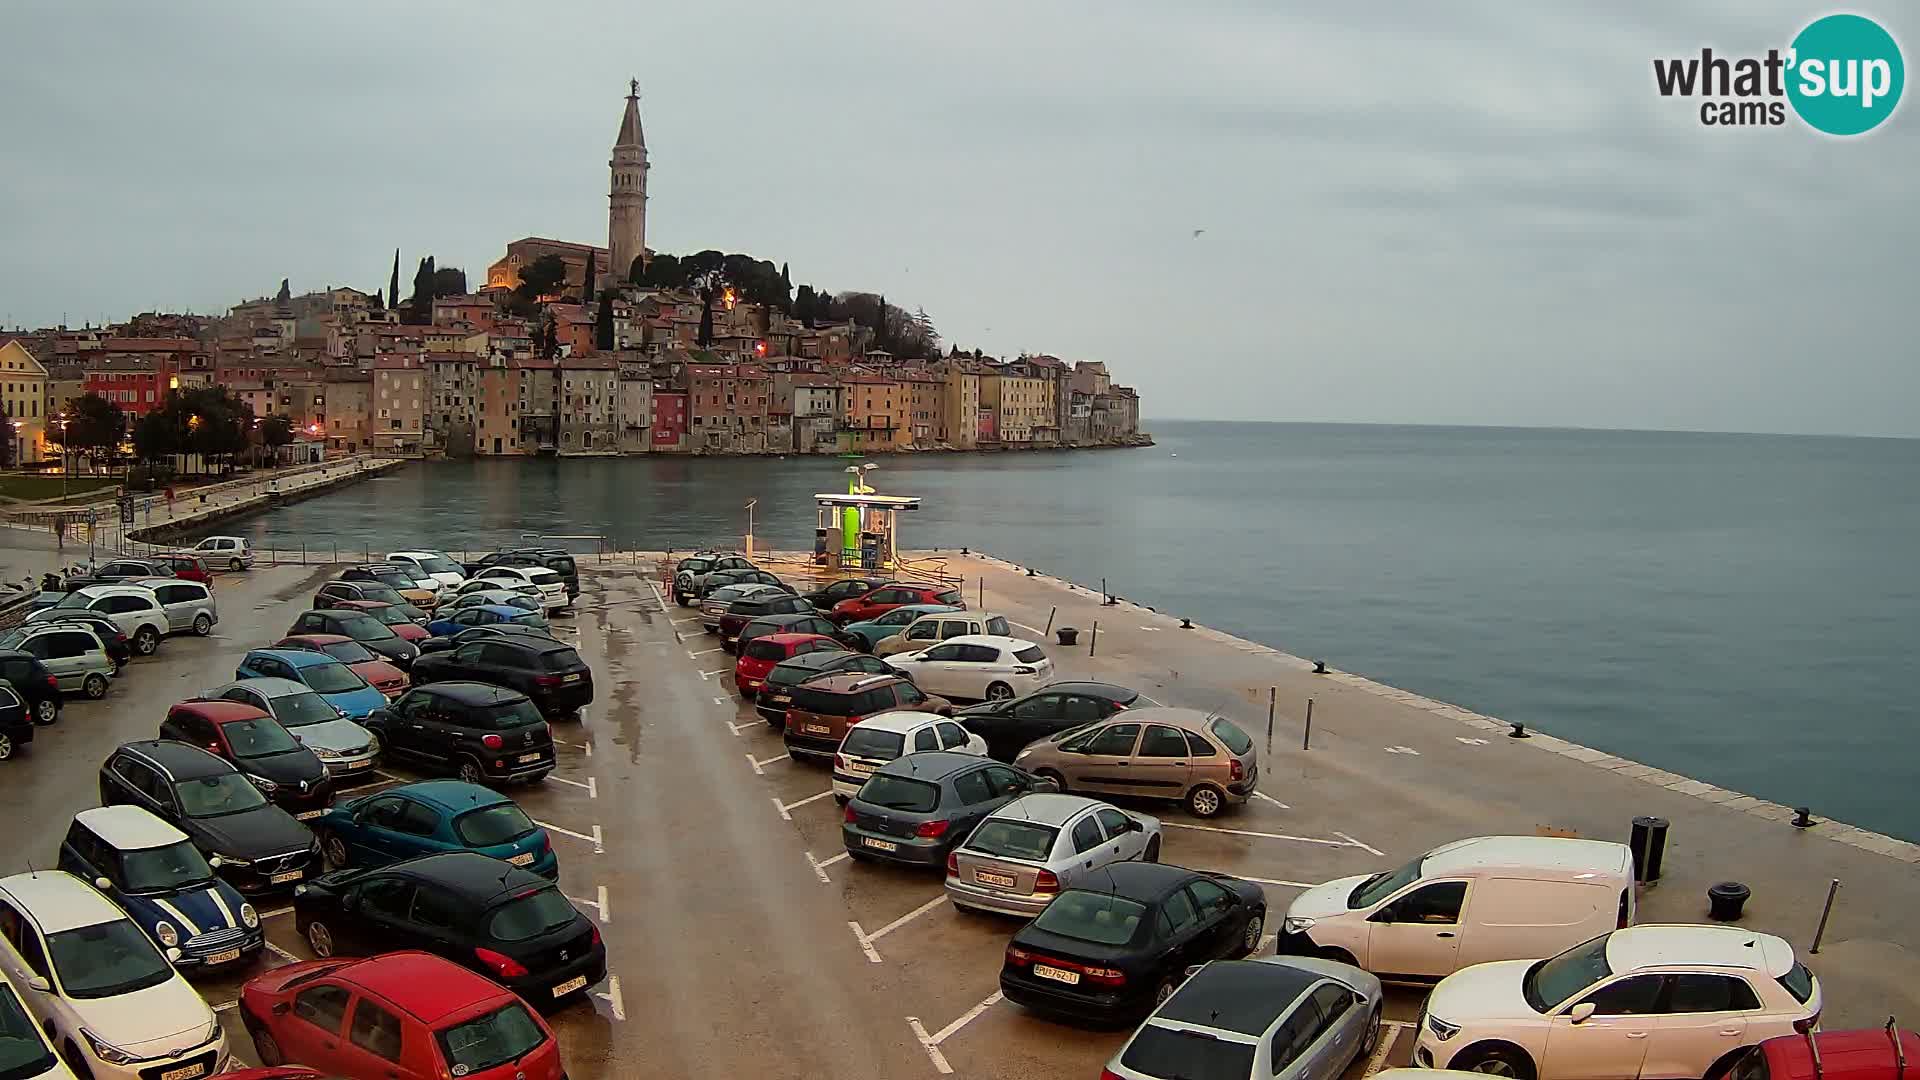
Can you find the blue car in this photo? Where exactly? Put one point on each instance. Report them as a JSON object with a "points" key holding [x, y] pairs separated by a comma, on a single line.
{"points": [[153, 871], [431, 817], [336, 683], [484, 615]]}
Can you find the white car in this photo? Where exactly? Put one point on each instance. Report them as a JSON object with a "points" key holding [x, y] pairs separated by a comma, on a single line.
{"points": [[979, 667], [26, 1053], [133, 608], [226, 552], [553, 588], [109, 1002], [1658, 1001], [877, 740], [430, 565]]}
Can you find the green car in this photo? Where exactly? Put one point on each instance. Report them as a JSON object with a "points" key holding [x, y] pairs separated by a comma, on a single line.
{"points": [[873, 631]]}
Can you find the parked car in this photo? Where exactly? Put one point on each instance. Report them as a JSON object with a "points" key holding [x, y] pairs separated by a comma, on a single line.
{"points": [[134, 609], [786, 624], [1882, 1053], [485, 615], [553, 589], [394, 617], [431, 817], [548, 671], [231, 552], [1256, 1019], [823, 709], [483, 733], [977, 667], [286, 771], [761, 655], [29, 1056], [493, 630], [495, 585], [871, 632], [1110, 953], [186, 565], [423, 594], [119, 648], [361, 627], [478, 597], [833, 592], [720, 579], [335, 682], [260, 846], [498, 920], [16, 724], [414, 1015], [764, 605], [114, 571], [555, 559], [379, 674], [105, 997], [33, 683], [1643, 1001], [1453, 906], [714, 605], [776, 690], [189, 604], [931, 629], [691, 572], [887, 597], [916, 809], [71, 652], [430, 566], [1185, 755], [1011, 724], [351, 593], [155, 874], [892, 735], [347, 749], [1018, 859]]}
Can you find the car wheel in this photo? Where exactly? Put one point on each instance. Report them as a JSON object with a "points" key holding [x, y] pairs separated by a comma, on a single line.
{"points": [[839, 799], [94, 686], [236, 565], [334, 847], [266, 1048], [1164, 991], [6, 746], [470, 771], [1726, 1063], [202, 625], [999, 692], [46, 711], [1373, 1034], [1153, 851], [1250, 938], [1497, 1059], [320, 938], [1206, 801], [145, 640], [76, 1060], [1061, 781]]}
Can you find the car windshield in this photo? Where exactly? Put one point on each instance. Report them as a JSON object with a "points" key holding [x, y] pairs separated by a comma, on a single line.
{"points": [[473, 1046], [1013, 839], [998, 627], [1190, 1055], [349, 652], [696, 566], [825, 702], [790, 674], [373, 590], [366, 627], [258, 738], [217, 796], [531, 914], [22, 1052], [13, 640], [507, 716], [764, 650], [164, 869], [299, 710], [1228, 732], [490, 825], [901, 793], [74, 600], [873, 743], [106, 960], [435, 564], [1100, 918], [1798, 982], [395, 578], [332, 677], [1384, 884], [1552, 981]]}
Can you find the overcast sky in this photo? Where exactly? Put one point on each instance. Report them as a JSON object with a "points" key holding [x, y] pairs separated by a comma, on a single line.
{"points": [[1413, 212]]}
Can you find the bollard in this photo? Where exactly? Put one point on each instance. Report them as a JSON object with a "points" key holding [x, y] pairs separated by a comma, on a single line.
{"points": [[1319, 667], [1803, 817], [1648, 842], [1725, 900], [1051, 612], [1821, 932], [1095, 641], [1186, 623], [1069, 635], [1519, 731], [983, 594], [1272, 693], [1306, 737]]}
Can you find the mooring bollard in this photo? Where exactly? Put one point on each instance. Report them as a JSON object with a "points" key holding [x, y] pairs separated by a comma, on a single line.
{"points": [[1803, 817], [1518, 731], [1725, 901], [1832, 889], [1648, 843]]}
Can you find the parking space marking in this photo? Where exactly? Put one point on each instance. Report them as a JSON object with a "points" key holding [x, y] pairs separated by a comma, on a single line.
{"points": [[1265, 835], [276, 912], [931, 1043], [1276, 881], [738, 728], [759, 767], [866, 940], [389, 776], [683, 622], [691, 655], [599, 905], [612, 997], [785, 808], [1258, 794], [1402, 750], [718, 700], [227, 1005], [1389, 1034], [282, 953], [820, 866], [1363, 847], [711, 674], [599, 844], [1024, 626], [592, 786]]}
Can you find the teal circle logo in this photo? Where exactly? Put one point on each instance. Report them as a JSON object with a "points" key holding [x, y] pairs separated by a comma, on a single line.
{"points": [[1846, 74]]}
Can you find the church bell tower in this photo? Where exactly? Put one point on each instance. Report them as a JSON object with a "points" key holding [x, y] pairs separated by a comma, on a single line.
{"points": [[627, 195]]}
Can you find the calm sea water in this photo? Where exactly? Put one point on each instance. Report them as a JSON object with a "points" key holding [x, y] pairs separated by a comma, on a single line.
{"points": [[1742, 609]]}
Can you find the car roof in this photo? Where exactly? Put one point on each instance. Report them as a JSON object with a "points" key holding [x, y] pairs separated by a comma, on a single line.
{"points": [[1589, 857], [899, 720], [787, 619], [267, 686], [298, 658], [793, 639], [931, 764], [477, 877], [994, 641], [1041, 807], [181, 761], [473, 693], [129, 828], [1144, 882], [1655, 946], [1110, 691], [58, 901], [919, 609], [1865, 1052], [427, 986], [1185, 719], [156, 582], [819, 658], [848, 682], [1244, 996], [414, 554], [499, 609], [318, 639], [94, 591], [450, 795], [220, 712]]}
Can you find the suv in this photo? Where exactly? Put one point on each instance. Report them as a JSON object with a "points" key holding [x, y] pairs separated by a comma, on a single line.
{"points": [[119, 649], [776, 692], [133, 608], [486, 734], [546, 670], [688, 575], [189, 604], [825, 708], [231, 552], [36, 686], [745, 610], [929, 630], [73, 654], [887, 597], [285, 769], [16, 727]]}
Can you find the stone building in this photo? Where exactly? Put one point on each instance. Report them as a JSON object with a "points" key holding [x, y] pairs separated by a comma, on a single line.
{"points": [[636, 407], [399, 405], [589, 405], [347, 392]]}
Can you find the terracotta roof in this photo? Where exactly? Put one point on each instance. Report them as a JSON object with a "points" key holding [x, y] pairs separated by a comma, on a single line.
{"points": [[589, 363], [395, 363], [149, 345]]}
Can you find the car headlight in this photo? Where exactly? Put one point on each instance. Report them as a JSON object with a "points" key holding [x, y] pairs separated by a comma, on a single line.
{"points": [[249, 916], [263, 783], [1295, 925], [1441, 1029], [166, 933], [373, 744], [326, 754], [106, 1051]]}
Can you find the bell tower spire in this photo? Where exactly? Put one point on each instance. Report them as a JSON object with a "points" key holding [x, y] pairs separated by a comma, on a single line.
{"points": [[627, 193]]}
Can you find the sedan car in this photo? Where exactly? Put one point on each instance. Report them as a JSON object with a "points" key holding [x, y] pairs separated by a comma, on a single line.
{"points": [[977, 667], [503, 922], [343, 746], [1641, 1001], [1010, 725], [887, 597], [916, 809], [1257, 1019], [1018, 859], [286, 771], [776, 690], [360, 626], [335, 682], [431, 817], [512, 598], [1201, 759], [380, 675], [833, 592], [1109, 954], [549, 672], [485, 615]]}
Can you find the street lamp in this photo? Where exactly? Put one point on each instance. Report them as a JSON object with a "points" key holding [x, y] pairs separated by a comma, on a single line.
{"points": [[750, 505], [66, 460]]}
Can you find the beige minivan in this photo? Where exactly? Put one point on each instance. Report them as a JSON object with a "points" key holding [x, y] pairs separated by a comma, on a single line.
{"points": [[1201, 759], [1469, 902]]}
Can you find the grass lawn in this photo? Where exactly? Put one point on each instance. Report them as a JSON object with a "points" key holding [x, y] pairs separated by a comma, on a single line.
{"points": [[32, 486]]}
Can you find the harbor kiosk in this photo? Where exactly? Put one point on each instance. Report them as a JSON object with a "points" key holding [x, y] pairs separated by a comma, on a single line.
{"points": [[856, 530]]}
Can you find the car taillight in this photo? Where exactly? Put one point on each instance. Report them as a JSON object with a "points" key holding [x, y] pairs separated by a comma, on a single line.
{"points": [[1105, 976], [931, 830], [840, 761], [849, 815], [504, 966], [953, 864], [1018, 956], [1805, 1025], [1046, 881], [1236, 771], [491, 742], [596, 934], [53, 683], [546, 680], [1023, 669], [1109, 1074]]}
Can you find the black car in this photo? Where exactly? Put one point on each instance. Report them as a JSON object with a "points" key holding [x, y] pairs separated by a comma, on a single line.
{"points": [[119, 649], [35, 685], [743, 611], [547, 670], [392, 575], [1109, 955], [844, 589], [483, 734], [16, 724], [290, 775], [789, 624], [743, 576], [1008, 726], [505, 923], [554, 559], [377, 591], [491, 630], [361, 627], [260, 846], [777, 694], [917, 808]]}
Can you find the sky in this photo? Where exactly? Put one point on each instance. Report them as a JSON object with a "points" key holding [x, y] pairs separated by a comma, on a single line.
{"points": [[1452, 213]]}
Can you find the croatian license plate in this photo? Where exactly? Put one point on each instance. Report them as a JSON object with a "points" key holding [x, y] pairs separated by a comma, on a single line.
{"points": [[859, 768], [775, 699], [361, 764], [523, 859], [524, 758], [308, 815], [187, 1073], [817, 729], [578, 982], [879, 845], [291, 875], [1071, 978], [224, 957], [575, 677], [990, 877]]}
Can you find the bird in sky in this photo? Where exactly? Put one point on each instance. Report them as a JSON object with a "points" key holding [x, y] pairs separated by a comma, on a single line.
{"points": [[1197, 232]]}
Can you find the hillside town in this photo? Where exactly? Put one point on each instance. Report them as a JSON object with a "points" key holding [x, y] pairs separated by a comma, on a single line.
{"points": [[571, 349]]}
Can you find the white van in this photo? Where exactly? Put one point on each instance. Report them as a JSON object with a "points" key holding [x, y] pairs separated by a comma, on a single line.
{"points": [[1468, 902]]}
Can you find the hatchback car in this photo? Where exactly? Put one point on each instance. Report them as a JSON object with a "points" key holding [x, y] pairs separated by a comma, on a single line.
{"points": [[776, 691], [133, 608], [720, 579], [548, 671], [28, 1055], [431, 817], [186, 565], [713, 606], [336, 683], [345, 593], [869, 633], [482, 733], [823, 709], [362, 628], [500, 921], [153, 871], [1643, 1001], [892, 735], [504, 597], [493, 630], [1018, 859], [977, 667], [1010, 725], [553, 590], [1110, 953], [1257, 1019], [421, 593], [934, 627], [189, 605], [1200, 759], [887, 597], [915, 809], [407, 1014], [260, 846], [430, 566], [379, 674], [119, 648], [786, 624], [749, 608], [1882, 1053], [35, 685], [396, 617], [71, 652], [346, 748], [761, 655], [484, 615], [16, 724], [286, 771], [106, 998], [833, 592], [229, 552]]}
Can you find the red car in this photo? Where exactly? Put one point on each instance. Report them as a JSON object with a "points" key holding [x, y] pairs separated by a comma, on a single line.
{"points": [[396, 620], [365, 663], [1882, 1053], [762, 654], [887, 597], [289, 1072], [187, 566], [406, 1015]]}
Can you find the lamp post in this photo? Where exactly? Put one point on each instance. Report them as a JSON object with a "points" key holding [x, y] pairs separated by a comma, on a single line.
{"points": [[750, 505], [66, 459]]}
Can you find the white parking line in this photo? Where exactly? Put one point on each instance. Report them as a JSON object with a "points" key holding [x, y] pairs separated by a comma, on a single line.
{"points": [[1389, 1034], [276, 912], [758, 765], [390, 776], [691, 655], [931, 1043], [1024, 626], [612, 997], [599, 844], [711, 674], [592, 786], [1263, 835], [784, 808], [226, 1005], [820, 866], [599, 905], [738, 728], [683, 622], [1277, 881], [866, 940], [1258, 794], [718, 700], [1361, 846], [282, 953]]}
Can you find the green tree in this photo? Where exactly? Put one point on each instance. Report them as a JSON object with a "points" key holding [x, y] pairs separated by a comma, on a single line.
{"points": [[587, 286], [285, 295], [603, 325], [393, 283], [95, 426], [448, 281], [156, 437], [803, 305], [542, 277], [275, 432]]}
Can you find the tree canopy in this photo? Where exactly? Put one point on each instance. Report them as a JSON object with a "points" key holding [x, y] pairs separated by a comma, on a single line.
{"points": [[206, 420], [543, 276], [95, 427]]}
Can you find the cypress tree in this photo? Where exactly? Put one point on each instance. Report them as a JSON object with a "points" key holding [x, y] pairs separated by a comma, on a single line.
{"points": [[393, 283], [586, 289], [603, 325]]}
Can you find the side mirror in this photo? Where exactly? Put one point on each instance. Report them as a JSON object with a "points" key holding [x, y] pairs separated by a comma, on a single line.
{"points": [[1047, 784], [40, 983], [102, 883], [1134, 825], [1581, 1013], [1386, 915], [281, 1008], [215, 861]]}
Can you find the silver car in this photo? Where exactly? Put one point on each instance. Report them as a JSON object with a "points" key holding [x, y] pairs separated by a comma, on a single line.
{"points": [[1027, 851], [343, 746], [71, 652], [512, 598], [717, 602], [189, 604], [1305, 1019]]}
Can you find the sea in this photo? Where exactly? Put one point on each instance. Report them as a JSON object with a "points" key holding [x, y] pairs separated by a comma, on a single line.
{"points": [[1743, 609]]}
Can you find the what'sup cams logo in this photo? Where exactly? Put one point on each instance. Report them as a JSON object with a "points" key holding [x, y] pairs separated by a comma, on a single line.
{"points": [[1842, 75]]}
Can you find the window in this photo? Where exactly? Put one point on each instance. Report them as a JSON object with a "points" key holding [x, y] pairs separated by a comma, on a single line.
{"points": [[1210, 898], [1332, 1002], [1438, 903], [1177, 915], [376, 1031], [926, 739], [417, 819], [1295, 1034], [1086, 835], [386, 897], [1115, 739], [1699, 993], [1114, 822], [322, 1006], [1634, 996], [432, 907], [973, 787], [1163, 742], [952, 736]]}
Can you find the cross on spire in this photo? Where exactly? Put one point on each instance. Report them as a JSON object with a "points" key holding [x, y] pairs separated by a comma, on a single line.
{"points": [[633, 89]]}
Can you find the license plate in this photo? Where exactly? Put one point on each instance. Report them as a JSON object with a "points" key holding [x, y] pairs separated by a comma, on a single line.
{"points": [[859, 768], [524, 859], [1071, 978], [361, 764], [990, 877], [187, 1073], [524, 758], [291, 875], [308, 815], [575, 677], [879, 845], [224, 957], [578, 982], [775, 699], [817, 729]]}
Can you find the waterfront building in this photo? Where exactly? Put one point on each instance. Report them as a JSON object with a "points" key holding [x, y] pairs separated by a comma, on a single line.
{"points": [[589, 405], [727, 407], [813, 404], [669, 427], [957, 420], [25, 395], [347, 393], [636, 405], [498, 389], [877, 414], [924, 392], [453, 388], [399, 404]]}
